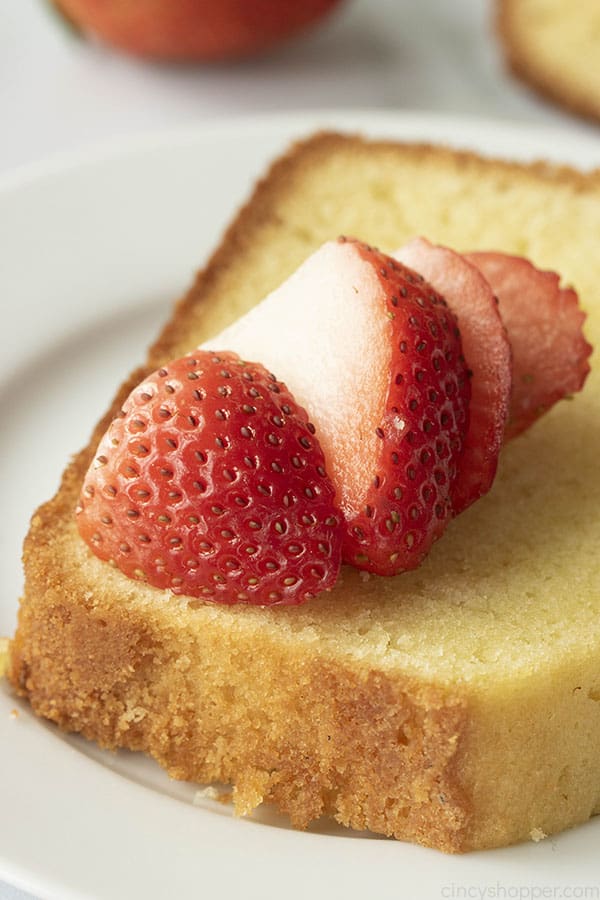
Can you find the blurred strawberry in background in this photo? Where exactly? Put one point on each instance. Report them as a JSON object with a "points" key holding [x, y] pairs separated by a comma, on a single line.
{"points": [[193, 29]]}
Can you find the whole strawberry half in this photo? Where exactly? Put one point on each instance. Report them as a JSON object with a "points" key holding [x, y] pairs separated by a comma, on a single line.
{"points": [[374, 353], [193, 29], [212, 483]]}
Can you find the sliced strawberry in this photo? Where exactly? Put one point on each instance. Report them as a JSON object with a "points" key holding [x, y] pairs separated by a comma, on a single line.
{"points": [[544, 325], [212, 483], [487, 352], [372, 351]]}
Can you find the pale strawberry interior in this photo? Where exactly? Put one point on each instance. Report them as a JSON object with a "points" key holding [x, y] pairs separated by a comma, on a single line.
{"points": [[325, 333]]}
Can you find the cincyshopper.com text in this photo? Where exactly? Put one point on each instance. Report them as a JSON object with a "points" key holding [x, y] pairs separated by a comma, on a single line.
{"points": [[499, 891]]}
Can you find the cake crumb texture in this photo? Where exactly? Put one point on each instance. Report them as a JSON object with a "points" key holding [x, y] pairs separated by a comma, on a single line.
{"points": [[456, 706], [537, 835]]}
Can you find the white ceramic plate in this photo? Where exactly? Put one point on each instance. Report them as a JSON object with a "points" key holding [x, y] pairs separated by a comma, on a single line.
{"points": [[93, 251]]}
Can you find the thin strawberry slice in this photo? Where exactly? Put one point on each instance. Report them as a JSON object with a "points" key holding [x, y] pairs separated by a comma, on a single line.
{"points": [[544, 324], [487, 353], [212, 483], [373, 352]]}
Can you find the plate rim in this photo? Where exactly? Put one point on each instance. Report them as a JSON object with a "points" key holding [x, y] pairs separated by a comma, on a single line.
{"points": [[151, 140]]}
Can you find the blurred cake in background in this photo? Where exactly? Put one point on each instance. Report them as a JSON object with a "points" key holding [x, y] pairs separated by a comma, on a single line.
{"points": [[554, 46]]}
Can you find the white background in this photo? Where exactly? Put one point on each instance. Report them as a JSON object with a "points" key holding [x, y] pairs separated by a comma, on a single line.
{"points": [[60, 94]]}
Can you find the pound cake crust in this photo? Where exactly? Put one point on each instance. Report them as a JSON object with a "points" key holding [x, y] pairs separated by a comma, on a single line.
{"points": [[455, 706]]}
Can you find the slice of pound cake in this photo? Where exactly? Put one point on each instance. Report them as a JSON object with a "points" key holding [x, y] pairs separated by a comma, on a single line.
{"points": [[456, 704]]}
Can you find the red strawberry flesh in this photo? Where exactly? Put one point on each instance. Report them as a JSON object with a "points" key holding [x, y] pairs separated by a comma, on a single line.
{"points": [[488, 356], [211, 483], [544, 325], [373, 352]]}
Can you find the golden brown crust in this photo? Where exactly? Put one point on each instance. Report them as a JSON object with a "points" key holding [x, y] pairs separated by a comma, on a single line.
{"points": [[284, 712], [317, 738], [518, 57]]}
